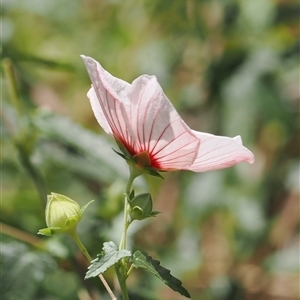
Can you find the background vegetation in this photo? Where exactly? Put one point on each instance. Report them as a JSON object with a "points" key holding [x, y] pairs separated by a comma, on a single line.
{"points": [[230, 67]]}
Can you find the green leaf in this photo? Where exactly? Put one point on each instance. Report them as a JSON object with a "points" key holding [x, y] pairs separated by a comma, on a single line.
{"points": [[109, 256], [60, 145], [23, 271], [143, 260]]}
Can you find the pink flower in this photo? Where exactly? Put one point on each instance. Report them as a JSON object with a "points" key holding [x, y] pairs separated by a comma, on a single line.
{"points": [[148, 129]]}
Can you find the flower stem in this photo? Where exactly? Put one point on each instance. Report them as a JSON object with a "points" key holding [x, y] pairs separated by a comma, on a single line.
{"points": [[122, 280], [87, 255], [125, 224], [133, 174], [121, 267]]}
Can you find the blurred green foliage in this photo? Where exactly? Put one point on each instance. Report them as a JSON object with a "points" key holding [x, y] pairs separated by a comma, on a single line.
{"points": [[230, 67]]}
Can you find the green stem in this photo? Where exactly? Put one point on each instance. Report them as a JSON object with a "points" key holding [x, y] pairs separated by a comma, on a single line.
{"points": [[121, 267], [126, 224], [82, 248], [122, 281], [133, 174]]}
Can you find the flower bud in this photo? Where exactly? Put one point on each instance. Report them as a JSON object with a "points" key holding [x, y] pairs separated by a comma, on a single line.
{"points": [[141, 207], [62, 214]]}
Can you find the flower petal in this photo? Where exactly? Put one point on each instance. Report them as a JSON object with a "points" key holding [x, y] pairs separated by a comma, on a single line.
{"points": [[217, 152], [98, 112], [144, 120], [157, 127], [106, 97]]}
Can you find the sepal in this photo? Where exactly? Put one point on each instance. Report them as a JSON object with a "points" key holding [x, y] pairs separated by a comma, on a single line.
{"points": [[122, 147], [155, 173], [141, 207], [131, 195], [49, 231], [120, 154], [84, 207]]}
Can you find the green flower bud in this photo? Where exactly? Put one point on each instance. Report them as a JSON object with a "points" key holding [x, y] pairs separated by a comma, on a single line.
{"points": [[141, 207], [62, 214]]}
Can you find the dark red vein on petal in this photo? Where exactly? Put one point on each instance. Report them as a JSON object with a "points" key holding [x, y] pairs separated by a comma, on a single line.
{"points": [[137, 123], [144, 122], [107, 111], [177, 149], [170, 161], [104, 110], [170, 142], [158, 139], [112, 118], [151, 131]]}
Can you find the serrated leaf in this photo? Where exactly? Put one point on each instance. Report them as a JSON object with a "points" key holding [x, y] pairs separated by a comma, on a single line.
{"points": [[143, 260], [109, 256]]}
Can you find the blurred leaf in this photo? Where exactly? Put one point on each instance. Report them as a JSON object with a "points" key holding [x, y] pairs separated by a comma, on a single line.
{"points": [[84, 151], [249, 214], [22, 270], [29, 58], [231, 67], [61, 284], [285, 260]]}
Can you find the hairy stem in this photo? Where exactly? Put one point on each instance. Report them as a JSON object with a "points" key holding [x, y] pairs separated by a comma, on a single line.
{"points": [[122, 280], [121, 267], [133, 174]]}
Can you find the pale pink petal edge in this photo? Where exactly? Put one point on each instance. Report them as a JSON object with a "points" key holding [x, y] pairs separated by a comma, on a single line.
{"points": [[106, 97], [218, 152], [98, 112]]}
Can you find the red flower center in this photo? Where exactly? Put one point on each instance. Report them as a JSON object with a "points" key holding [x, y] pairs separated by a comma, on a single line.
{"points": [[143, 158]]}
